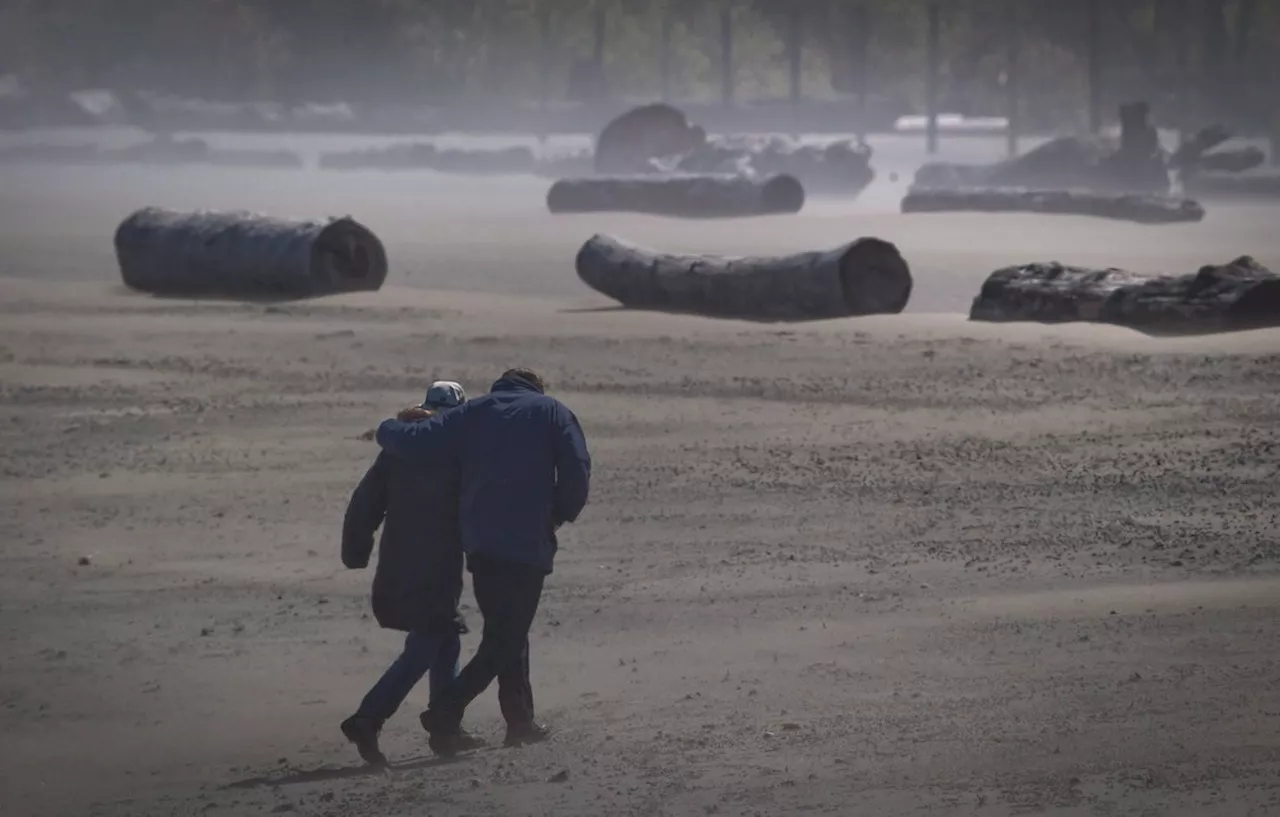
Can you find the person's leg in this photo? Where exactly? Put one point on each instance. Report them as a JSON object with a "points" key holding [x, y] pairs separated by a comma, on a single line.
{"points": [[405, 672], [386, 696], [508, 599], [515, 697], [447, 664]]}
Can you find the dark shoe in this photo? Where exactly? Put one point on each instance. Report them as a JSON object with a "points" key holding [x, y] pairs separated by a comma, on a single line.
{"points": [[467, 742], [447, 737], [525, 733], [363, 732]]}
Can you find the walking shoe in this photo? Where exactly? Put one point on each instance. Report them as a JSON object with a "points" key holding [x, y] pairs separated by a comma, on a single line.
{"points": [[525, 733], [467, 742], [446, 737], [363, 732]]}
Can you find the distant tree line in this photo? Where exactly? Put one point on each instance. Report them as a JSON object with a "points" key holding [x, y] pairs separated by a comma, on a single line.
{"points": [[1214, 58]]}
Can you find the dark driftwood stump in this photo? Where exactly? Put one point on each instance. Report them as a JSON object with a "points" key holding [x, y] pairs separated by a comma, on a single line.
{"points": [[631, 140], [1242, 294], [865, 277], [239, 254], [1125, 207], [1136, 165], [687, 196]]}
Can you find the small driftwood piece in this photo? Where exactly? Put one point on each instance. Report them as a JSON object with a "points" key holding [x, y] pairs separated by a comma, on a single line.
{"points": [[1144, 209], [682, 195], [1241, 294], [864, 277], [427, 156], [241, 254]]}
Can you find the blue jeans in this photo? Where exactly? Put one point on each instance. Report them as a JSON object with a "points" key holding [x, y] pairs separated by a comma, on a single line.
{"points": [[423, 653]]}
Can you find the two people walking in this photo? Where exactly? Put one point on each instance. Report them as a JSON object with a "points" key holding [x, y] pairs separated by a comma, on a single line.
{"points": [[492, 480]]}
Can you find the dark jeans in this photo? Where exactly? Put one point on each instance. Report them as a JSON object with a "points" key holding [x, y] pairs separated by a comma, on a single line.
{"points": [[423, 653], [507, 594]]}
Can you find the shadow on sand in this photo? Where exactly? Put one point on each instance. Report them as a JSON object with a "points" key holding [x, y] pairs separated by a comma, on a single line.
{"points": [[322, 774]]}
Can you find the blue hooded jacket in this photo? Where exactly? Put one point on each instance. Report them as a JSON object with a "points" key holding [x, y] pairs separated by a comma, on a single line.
{"points": [[523, 462]]}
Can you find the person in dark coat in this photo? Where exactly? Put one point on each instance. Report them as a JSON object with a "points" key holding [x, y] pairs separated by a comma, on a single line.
{"points": [[418, 582], [525, 471]]}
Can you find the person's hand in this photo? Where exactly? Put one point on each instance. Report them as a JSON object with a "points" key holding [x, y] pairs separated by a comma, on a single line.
{"points": [[413, 414]]}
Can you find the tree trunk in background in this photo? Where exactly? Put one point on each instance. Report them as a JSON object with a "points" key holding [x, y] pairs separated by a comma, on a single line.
{"points": [[1012, 69], [600, 26], [544, 58], [664, 51], [1213, 27], [795, 48], [934, 57], [726, 53], [1093, 44], [862, 38]]}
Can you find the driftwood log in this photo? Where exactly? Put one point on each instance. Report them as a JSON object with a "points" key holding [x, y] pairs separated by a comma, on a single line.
{"points": [[710, 195], [1241, 294], [1260, 183], [843, 166], [864, 277], [240, 254], [1134, 164], [1145, 209], [426, 156], [159, 151]]}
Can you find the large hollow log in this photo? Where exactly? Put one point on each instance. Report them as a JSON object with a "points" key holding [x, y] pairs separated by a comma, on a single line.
{"points": [[864, 277], [241, 254], [1241, 294], [1125, 207], [710, 195]]}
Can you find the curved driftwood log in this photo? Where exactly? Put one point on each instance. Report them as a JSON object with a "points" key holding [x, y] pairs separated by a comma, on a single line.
{"points": [[1242, 294], [690, 196], [864, 277], [1139, 208], [242, 254]]}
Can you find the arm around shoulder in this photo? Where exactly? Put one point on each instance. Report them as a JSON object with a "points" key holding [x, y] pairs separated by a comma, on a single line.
{"points": [[427, 441]]}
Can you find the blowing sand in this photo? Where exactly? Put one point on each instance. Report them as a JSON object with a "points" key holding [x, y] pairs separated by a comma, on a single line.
{"points": [[891, 566]]}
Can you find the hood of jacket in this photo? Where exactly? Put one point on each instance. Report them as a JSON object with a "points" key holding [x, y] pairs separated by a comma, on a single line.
{"points": [[514, 384]]}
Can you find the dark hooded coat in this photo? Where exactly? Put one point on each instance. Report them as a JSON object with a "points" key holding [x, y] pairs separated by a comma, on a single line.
{"points": [[417, 585]]}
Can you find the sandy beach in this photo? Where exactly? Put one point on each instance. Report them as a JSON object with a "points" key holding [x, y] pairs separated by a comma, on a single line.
{"points": [[902, 565]]}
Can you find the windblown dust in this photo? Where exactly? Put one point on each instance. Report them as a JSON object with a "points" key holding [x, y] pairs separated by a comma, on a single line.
{"points": [[887, 566]]}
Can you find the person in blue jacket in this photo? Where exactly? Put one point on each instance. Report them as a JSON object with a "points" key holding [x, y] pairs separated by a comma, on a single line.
{"points": [[525, 470]]}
